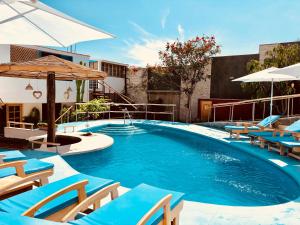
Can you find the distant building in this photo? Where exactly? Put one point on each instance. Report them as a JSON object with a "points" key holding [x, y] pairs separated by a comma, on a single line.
{"points": [[116, 77], [18, 101]]}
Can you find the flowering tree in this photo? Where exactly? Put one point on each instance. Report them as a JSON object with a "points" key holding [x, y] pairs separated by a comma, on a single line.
{"points": [[188, 60]]}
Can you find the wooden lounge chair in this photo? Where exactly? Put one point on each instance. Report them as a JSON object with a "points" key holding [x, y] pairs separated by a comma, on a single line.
{"points": [[287, 145], [281, 131], [20, 176], [54, 200], [246, 127], [143, 204]]}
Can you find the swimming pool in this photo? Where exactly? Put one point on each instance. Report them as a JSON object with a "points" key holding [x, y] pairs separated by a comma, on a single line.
{"points": [[206, 170]]}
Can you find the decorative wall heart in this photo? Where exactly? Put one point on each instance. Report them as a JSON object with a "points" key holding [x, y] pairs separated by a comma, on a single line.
{"points": [[37, 94]]}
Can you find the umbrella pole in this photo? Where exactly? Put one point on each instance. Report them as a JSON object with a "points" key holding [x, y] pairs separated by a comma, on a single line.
{"points": [[271, 101], [51, 106]]}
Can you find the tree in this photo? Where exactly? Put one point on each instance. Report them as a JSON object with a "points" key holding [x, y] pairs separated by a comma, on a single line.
{"points": [[280, 56], [80, 86], [188, 61]]}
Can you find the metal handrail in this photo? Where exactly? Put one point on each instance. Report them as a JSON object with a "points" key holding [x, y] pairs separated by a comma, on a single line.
{"points": [[23, 124], [231, 105], [124, 97], [146, 111], [62, 115]]}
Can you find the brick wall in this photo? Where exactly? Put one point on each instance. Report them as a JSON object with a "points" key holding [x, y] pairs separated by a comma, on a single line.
{"points": [[21, 54]]}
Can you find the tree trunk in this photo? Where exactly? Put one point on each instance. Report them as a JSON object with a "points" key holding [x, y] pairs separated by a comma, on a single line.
{"points": [[82, 90], [51, 106], [189, 108]]}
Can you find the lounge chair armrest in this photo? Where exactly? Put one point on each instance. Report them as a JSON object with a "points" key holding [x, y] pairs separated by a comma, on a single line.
{"points": [[18, 165], [92, 200], [163, 203], [30, 178], [78, 186]]}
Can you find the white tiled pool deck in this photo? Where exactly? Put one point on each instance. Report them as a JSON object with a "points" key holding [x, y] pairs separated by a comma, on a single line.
{"points": [[196, 213]]}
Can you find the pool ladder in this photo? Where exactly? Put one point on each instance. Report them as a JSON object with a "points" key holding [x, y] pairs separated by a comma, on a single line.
{"points": [[127, 115]]}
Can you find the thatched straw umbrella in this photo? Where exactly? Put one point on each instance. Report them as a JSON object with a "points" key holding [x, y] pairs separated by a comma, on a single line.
{"points": [[51, 68]]}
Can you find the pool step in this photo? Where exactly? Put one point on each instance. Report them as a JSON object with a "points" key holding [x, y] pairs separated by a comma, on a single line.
{"points": [[122, 130]]}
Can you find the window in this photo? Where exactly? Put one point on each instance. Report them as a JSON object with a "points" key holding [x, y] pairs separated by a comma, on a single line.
{"points": [[93, 84], [14, 113], [114, 70]]}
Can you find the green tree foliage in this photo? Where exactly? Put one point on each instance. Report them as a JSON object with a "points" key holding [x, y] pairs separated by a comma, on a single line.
{"points": [[280, 56], [188, 60]]}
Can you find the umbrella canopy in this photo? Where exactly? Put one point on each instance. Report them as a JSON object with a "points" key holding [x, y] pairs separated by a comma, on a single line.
{"points": [[267, 76], [34, 23], [51, 68], [39, 69], [293, 70]]}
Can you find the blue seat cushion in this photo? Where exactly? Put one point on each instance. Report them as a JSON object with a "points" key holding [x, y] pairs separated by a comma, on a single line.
{"points": [[290, 144], [14, 219], [229, 127], [20, 203], [12, 155], [278, 139], [131, 207], [32, 166], [294, 127], [269, 120], [261, 134]]}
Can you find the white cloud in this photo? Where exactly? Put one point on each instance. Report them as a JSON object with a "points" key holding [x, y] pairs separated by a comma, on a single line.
{"points": [[140, 29], [146, 52], [180, 32], [164, 18]]}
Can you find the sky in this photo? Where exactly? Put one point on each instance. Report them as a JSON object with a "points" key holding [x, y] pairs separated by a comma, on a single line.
{"points": [[142, 27]]}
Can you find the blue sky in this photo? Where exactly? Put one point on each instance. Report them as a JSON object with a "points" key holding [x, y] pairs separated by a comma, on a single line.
{"points": [[142, 27]]}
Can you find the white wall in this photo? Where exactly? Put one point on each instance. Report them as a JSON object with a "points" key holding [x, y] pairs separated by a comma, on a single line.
{"points": [[116, 83], [4, 53], [12, 90]]}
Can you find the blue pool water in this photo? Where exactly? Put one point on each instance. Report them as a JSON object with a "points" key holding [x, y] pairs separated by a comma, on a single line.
{"points": [[206, 170]]}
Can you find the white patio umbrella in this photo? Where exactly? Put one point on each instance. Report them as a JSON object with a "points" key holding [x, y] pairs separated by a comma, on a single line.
{"points": [[293, 70], [29, 22], [267, 76]]}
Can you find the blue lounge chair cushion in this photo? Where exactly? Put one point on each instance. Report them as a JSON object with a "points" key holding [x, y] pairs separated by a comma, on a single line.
{"points": [[264, 123], [278, 139], [290, 144], [232, 127], [294, 127], [269, 120], [14, 219], [20, 203], [131, 207], [12, 155], [261, 134], [32, 166]]}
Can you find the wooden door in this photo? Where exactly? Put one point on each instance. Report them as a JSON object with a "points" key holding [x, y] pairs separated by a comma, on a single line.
{"points": [[205, 109], [14, 113]]}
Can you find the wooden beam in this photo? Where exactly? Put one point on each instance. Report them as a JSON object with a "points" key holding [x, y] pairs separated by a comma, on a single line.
{"points": [[51, 106]]}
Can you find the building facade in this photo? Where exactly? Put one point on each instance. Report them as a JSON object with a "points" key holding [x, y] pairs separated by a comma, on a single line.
{"points": [[20, 102], [116, 76]]}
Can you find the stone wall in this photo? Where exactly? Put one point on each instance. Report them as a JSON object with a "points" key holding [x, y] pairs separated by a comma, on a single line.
{"points": [[263, 49], [137, 85], [202, 90]]}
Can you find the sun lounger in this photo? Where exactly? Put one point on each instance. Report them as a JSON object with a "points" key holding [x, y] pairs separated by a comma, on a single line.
{"points": [[20, 176], [274, 143], [282, 131], [293, 148], [246, 127], [53, 200], [143, 204], [13, 155]]}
